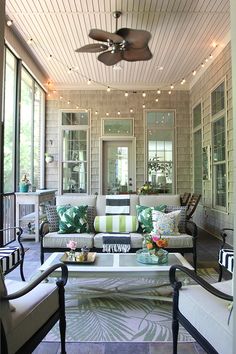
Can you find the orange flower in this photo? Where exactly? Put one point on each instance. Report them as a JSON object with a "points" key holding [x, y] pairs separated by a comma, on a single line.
{"points": [[162, 243], [149, 246]]}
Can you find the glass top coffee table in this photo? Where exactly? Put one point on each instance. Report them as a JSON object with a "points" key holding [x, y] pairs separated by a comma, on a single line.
{"points": [[122, 266]]}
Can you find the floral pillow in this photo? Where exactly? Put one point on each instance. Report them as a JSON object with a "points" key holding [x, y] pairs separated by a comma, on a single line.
{"points": [[144, 214], [166, 224], [72, 219]]}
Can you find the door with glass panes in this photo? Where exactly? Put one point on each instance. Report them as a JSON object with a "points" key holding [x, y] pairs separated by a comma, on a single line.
{"points": [[118, 167]]}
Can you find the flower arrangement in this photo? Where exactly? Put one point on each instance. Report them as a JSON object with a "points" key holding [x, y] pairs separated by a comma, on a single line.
{"points": [[72, 245], [147, 188], [24, 184], [154, 241]]}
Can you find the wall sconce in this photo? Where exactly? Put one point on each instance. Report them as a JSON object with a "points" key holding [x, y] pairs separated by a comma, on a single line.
{"points": [[49, 158]]}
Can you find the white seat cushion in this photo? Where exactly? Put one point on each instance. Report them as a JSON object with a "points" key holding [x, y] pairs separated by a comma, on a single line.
{"points": [[209, 314], [55, 240], [31, 312], [136, 240], [179, 241]]}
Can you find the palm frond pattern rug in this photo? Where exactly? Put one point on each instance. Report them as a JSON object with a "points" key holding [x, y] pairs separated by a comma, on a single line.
{"points": [[97, 317]]}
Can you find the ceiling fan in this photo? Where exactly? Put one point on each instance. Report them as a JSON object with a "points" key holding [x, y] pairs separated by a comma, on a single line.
{"points": [[124, 44]]}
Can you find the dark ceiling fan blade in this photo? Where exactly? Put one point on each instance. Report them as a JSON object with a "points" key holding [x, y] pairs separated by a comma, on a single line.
{"points": [[103, 36], [135, 38], [136, 54], [109, 58], [92, 48]]}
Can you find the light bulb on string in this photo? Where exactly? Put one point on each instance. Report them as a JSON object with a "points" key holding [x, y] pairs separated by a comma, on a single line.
{"points": [[171, 86], [144, 94], [158, 91], [108, 89], [89, 81], [126, 94], [194, 72], [156, 99]]}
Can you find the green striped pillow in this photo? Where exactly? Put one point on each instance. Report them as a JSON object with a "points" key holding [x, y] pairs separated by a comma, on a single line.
{"points": [[116, 223]]}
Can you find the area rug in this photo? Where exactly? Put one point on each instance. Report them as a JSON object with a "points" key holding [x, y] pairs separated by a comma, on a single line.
{"points": [[111, 318]]}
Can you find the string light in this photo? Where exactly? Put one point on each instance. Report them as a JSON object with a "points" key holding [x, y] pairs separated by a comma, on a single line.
{"points": [[171, 86], [183, 81], [68, 102], [156, 100], [144, 94], [144, 106], [108, 89], [131, 110], [202, 65], [107, 114], [96, 112], [126, 94], [9, 23], [50, 57], [118, 113], [158, 91], [89, 81], [169, 92], [194, 72], [30, 41]]}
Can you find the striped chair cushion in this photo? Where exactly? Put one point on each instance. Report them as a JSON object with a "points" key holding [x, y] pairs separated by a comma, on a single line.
{"points": [[9, 257], [226, 259]]}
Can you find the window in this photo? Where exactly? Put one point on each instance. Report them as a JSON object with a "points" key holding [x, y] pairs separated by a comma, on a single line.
{"points": [[74, 154], [160, 140], [197, 149], [32, 102], [218, 99], [9, 121], [219, 163]]}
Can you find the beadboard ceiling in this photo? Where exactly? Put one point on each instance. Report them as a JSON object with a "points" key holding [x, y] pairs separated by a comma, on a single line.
{"points": [[183, 34]]}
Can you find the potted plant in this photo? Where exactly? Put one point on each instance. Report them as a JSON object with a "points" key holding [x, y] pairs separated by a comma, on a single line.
{"points": [[24, 184]]}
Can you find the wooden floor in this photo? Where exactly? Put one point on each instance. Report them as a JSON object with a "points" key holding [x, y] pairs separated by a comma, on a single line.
{"points": [[208, 248]]}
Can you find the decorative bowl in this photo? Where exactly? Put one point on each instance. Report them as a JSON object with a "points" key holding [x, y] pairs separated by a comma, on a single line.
{"points": [[147, 257]]}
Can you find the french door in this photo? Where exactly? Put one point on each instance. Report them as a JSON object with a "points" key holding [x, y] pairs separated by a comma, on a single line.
{"points": [[118, 166]]}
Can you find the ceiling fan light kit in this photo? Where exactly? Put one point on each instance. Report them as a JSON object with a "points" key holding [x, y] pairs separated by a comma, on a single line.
{"points": [[125, 44]]}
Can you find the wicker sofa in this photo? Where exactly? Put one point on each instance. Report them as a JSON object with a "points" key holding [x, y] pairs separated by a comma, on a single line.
{"points": [[54, 242]]}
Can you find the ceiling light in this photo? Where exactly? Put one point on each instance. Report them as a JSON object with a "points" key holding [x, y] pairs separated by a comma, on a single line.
{"points": [[214, 44], [126, 94], [131, 110], [206, 60], [156, 100], [183, 81], [107, 114], [210, 56], [194, 72], [108, 89], [96, 112], [144, 94], [89, 81], [158, 91], [144, 106], [61, 97], [68, 102], [202, 65], [169, 92], [118, 113], [171, 86], [77, 107]]}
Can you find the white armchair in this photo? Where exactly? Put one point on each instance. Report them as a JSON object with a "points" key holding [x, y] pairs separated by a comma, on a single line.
{"points": [[28, 310], [203, 309]]}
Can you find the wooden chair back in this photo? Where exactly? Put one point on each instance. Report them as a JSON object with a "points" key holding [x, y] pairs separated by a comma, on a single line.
{"points": [[192, 205], [184, 198]]}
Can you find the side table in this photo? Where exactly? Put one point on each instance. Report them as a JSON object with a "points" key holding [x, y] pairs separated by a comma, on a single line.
{"points": [[33, 198]]}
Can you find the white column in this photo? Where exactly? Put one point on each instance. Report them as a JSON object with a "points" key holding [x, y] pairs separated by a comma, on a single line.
{"points": [[233, 53], [2, 27]]}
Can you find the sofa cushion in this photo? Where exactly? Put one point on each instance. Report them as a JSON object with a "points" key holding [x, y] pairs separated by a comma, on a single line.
{"points": [[179, 241], [166, 224], [144, 214], [182, 220], [101, 204], [136, 240], [76, 200], [152, 200], [72, 219], [209, 314], [52, 240], [116, 223]]}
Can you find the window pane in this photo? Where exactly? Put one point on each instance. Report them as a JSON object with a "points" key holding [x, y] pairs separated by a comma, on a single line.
{"points": [[197, 115], [160, 137], [74, 177], [218, 99], [9, 118], [26, 126], [75, 118], [74, 145], [219, 140], [220, 185], [38, 113], [197, 162]]}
